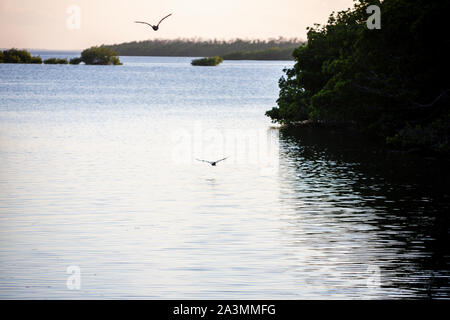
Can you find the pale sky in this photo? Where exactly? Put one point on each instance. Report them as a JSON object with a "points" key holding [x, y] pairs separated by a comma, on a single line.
{"points": [[56, 24]]}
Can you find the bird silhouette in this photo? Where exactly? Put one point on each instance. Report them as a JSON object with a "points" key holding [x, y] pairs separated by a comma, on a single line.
{"points": [[156, 27], [213, 163]]}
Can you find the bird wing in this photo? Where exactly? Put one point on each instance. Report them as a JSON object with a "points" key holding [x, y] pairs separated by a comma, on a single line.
{"points": [[221, 160], [203, 160], [163, 19], [144, 23]]}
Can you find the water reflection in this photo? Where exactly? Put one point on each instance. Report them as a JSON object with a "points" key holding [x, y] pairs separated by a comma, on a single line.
{"points": [[87, 179], [357, 207]]}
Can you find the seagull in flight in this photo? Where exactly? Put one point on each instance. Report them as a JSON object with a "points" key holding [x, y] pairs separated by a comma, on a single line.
{"points": [[213, 163], [156, 27]]}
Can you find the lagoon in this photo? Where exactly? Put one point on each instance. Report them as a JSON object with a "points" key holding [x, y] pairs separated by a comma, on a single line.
{"points": [[98, 172]]}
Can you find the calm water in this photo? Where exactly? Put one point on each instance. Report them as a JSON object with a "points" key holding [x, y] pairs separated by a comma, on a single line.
{"points": [[98, 171]]}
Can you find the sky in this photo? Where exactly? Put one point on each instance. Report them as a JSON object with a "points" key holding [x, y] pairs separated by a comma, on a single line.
{"points": [[79, 24]]}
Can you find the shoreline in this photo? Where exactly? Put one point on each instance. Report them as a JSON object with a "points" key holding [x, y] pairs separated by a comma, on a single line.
{"points": [[351, 127]]}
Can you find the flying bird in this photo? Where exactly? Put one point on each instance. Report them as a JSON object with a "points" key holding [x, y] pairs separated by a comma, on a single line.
{"points": [[213, 163], [156, 27]]}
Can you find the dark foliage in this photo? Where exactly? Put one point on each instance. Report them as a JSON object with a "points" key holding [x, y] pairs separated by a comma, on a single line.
{"points": [[36, 60], [391, 81], [55, 61], [75, 61], [208, 61], [100, 56], [205, 48], [18, 56], [275, 53]]}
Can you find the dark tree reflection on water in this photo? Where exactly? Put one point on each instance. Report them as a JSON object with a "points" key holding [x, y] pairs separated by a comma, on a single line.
{"points": [[388, 209]]}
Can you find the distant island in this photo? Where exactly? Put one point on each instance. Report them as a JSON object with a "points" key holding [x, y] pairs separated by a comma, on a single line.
{"points": [[18, 56], [208, 61], [91, 56], [98, 56], [56, 61], [238, 49]]}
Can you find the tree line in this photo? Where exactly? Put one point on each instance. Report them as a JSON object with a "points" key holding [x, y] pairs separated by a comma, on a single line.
{"points": [[391, 82], [229, 49], [90, 56]]}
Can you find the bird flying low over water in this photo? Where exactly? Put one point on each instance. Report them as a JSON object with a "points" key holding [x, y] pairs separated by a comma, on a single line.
{"points": [[213, 163], [156, 27]]}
